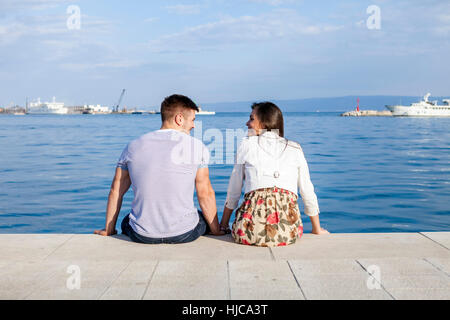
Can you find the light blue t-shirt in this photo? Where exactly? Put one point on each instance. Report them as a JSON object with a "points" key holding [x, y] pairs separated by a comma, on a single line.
{"points": [[163, 165]]}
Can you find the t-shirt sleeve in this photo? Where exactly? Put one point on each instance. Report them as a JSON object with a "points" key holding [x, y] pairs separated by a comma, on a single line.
{"points": [[123, 160], [204, 162]]}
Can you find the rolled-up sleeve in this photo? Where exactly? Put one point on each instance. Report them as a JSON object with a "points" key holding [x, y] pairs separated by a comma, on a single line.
{"points": [[307, 188], [237, 178]]}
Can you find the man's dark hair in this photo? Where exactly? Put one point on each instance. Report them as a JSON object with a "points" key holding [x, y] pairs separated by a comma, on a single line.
{"points": [[270, 116], [176, 103]]}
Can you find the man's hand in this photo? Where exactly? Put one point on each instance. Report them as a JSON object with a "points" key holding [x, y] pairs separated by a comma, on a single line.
{"points": [[105, 233]]}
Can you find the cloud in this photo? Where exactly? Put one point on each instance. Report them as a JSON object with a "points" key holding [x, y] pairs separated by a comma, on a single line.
{"points": [[30, 4], [279, 24], [151, 20], [276, 2], [113, 64], [184, 9], [15, 29]]}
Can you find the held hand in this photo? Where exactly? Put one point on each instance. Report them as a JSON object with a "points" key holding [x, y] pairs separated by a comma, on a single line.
{"points": [[322, 231], [104, 233], [220, 233], [226, 229]]}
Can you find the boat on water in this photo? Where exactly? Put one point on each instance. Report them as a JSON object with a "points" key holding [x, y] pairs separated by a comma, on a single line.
{"points": [[53, 107], [422, 108], [205, 112]]}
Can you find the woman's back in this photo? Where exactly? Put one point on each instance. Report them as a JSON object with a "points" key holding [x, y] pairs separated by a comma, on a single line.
{"points": [[269, 160]]}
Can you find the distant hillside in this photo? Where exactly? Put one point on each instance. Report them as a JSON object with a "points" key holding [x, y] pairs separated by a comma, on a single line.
{"points": [[336, 104]]}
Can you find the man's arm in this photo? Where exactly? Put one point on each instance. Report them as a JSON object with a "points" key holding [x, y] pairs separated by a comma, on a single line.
{"points": [[119, 187], [207, 200]]}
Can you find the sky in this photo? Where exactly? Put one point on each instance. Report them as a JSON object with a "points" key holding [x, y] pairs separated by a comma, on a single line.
{"points": [[221, 50]]}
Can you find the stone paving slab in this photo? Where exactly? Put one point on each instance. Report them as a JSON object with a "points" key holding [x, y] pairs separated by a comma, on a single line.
{"points": [[132, 283], [20, 279], [421, 294], [362, 246], [30, 247], [409, 278], [189, 280], [263, 280], [443, 238], [205, 248], [338, 266], [401, 266], [95, 278], [337, 279], [441, 263]]}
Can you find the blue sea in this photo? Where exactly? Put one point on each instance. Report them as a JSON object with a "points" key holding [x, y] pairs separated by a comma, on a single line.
{"points": [[371, 174]]}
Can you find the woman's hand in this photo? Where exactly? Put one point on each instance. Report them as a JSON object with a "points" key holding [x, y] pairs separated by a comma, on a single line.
{"points": [[320, 231]]}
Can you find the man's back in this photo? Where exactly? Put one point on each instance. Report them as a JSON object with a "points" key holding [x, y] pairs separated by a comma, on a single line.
{"points": [[162, 166]]}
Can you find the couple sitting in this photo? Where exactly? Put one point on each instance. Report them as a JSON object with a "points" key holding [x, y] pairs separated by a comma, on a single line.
{"points": [[270, 168]]}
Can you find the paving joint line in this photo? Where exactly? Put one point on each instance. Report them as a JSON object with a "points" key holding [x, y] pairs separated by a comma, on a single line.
{"points": [[271, 254], [385, 290], [229, 281], [296, 280], [115, 279], [448, 275], [434, 241], [62, 244], [39, 286], [150, 280]]}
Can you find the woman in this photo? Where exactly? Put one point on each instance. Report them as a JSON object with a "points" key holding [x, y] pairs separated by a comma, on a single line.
{"points": [[271, 169]]}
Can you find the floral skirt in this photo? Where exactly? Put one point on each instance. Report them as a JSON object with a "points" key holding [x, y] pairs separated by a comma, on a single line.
{"points": [[268, 218]]}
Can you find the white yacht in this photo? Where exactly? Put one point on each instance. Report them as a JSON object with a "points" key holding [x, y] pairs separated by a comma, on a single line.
{"points": [[53, 107], [204, 112], [423, 108]]}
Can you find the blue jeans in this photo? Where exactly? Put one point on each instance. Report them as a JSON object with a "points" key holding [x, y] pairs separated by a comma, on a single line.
{"points": [[201, 229]]}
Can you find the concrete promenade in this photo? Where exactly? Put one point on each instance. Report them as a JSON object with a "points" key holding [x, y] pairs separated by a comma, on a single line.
{"points": [[337, 266]]}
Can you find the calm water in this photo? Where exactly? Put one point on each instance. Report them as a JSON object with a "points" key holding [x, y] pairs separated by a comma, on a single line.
{"points": [[371, 174]]}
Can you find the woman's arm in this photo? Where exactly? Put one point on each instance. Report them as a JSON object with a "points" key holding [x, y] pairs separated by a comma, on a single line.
{"points": [[225, 222], [235, 185], [316, 229], [233, 194], [309, 196]]}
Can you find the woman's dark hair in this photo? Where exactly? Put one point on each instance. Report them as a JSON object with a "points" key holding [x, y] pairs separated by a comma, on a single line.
{"points": [[270, 117]]}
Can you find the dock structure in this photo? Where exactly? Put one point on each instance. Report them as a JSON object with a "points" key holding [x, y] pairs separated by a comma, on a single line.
{"points": [[375, 266], [367, 113]]}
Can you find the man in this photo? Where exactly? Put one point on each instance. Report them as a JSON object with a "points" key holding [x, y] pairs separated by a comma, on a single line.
{"points": [[163, 167]]}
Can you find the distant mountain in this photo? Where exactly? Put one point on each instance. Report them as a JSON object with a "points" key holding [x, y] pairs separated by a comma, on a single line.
{"points": [[335, 104]]}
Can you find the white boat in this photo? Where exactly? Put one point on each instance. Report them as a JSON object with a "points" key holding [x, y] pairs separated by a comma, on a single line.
{"points": [[204, 112], [53, 107], [423, 108]]}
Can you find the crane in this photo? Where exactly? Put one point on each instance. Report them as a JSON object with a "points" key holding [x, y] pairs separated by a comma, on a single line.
{"points": [[120, 100]]}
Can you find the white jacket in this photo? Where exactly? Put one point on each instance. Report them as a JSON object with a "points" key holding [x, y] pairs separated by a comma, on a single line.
{"points": [[268, 161]]}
